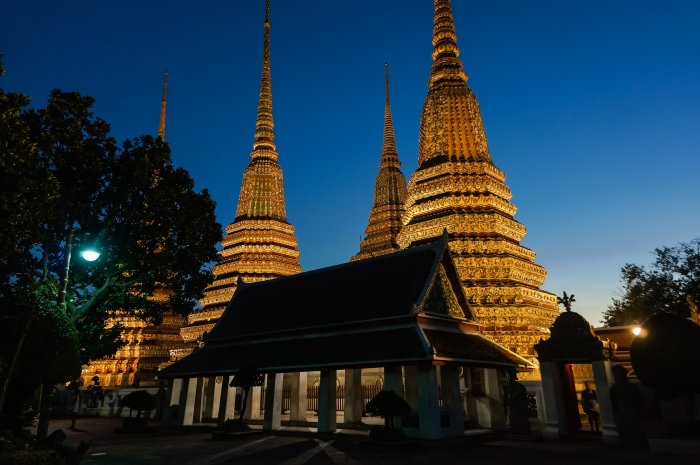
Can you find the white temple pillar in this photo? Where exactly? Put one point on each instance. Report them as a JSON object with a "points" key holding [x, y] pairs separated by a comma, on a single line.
{"points": [[449, 381], [393, 380], [490, 408], [298, 407], [212, 393], [353, 396], [326, 402], [188, 393], [428, 409], [227, 401], [216, 398], [174, 397], [252, 411], [169, 400], [273, 402], [603, 377], [410, 374], [551, 386], [199, 401]]}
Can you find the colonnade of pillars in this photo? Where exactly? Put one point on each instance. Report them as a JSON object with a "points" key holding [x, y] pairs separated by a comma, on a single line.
{"points": [[419, 385]]}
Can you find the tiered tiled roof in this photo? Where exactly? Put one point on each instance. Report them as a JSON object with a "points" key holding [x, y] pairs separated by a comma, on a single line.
{"points": [[395, 309]]}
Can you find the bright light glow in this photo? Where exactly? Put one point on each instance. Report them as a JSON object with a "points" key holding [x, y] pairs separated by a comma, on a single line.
{"points": [[636, 330], [90, 255]]}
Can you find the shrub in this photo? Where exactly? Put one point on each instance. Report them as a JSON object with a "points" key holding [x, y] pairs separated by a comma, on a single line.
{"points": [[31, 457], [6, 444], [139, 401]]}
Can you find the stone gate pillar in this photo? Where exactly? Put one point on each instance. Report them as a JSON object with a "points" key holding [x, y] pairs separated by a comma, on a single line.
{"points": [[603, 378]]}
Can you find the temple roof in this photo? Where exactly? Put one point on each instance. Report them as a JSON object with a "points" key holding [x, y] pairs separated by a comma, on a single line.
{"points": [[401, 308], [380, 287]]}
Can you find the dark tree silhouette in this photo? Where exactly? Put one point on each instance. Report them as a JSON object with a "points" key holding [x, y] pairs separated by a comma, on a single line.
{"points": [[664, 286], [66, 185], [246, 378]]}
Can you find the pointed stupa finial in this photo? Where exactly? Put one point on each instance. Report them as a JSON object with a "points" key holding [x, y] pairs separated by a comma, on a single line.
{"points": [[390, 156], [447, 67], [264, 144], [163, 105]]}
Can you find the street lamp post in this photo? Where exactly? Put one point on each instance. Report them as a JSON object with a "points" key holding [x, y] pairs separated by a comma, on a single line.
{"points": [[88, 255], [66, 270], [47, 390]]}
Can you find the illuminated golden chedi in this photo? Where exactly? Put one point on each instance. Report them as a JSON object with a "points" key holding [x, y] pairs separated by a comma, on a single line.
{"points": [[456, 186], [259, 243], [389, 195], [145, 346]]}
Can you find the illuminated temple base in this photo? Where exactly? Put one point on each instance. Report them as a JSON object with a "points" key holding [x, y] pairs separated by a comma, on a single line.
{"points": [[136, 363]]}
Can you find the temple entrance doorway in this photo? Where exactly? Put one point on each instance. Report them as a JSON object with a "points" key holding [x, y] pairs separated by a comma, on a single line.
{"points": [[576, 372], [583, 410]]}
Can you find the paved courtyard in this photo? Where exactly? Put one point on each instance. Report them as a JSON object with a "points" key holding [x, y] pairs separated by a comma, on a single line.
{"points": [[175, 446]]}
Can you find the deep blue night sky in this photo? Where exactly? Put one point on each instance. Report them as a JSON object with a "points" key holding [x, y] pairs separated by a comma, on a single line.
{"points": [[592, 108]]}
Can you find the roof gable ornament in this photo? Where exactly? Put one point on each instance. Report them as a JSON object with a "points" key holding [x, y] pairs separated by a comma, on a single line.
{"points": [[441, 297]]}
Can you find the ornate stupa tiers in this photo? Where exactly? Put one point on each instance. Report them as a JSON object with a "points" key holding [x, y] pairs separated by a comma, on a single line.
{"points": [[456, 186], [146, 346], [389, 195], [260, 243]]}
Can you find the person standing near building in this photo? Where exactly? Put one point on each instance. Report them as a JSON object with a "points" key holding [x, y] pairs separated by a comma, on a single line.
{"points": [[589, 402], [75, 408]]}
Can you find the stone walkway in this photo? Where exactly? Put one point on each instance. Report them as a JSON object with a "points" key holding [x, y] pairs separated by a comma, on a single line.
{"points": [[194, 445]]}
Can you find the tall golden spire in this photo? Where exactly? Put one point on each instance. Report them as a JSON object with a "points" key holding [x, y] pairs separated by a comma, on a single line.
{"points": [[264, 145], [389, 194], [259, 244], [262, 192], [447, 67], [163, 105], [457, 187], [390, 156]]}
